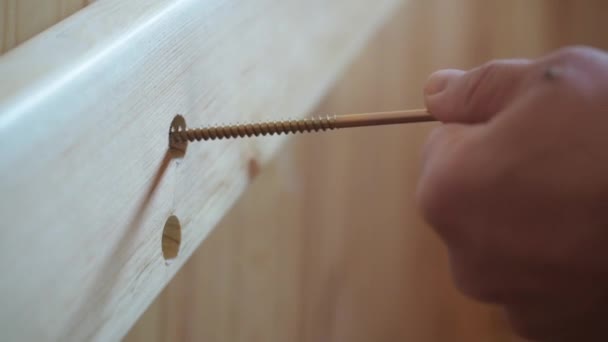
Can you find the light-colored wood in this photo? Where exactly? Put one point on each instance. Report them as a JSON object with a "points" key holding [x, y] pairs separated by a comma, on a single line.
{"points": [[86, 182], [327, 245], [22, 19]]}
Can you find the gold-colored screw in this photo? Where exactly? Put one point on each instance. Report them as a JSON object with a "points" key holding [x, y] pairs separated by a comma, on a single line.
{"points": [[300, 126]]}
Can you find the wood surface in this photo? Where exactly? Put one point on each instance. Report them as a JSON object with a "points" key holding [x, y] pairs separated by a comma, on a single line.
{"points": [[86, 178], [20, 20], [326, 244]]}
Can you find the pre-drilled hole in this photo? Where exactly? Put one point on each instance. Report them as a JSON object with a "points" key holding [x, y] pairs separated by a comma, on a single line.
{"points": [[172, 238], [178, 147]]}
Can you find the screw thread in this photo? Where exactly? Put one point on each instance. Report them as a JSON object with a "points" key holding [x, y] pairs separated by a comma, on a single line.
{"points": [[255, 129]]}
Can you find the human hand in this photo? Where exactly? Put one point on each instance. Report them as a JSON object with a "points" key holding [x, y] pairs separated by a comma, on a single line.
{"points": [[516, 184]]}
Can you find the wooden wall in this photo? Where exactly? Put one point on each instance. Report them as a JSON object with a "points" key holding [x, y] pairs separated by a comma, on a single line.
{"points": [[327, 245], [22, 19]]}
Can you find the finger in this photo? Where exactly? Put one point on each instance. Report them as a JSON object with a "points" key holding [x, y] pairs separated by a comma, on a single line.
{"points": [[474, 96], [442, 159]]}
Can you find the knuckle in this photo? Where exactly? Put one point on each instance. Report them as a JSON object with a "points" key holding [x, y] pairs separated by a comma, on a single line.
{"points": [[440, 186], [434, 138], [429, 201], [574, 60], [574, 53], [476, 291], [582, 72], [433, 201], [480, 292], [469, 279], [524, 326]]}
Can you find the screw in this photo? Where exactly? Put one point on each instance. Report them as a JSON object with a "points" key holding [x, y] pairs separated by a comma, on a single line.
{"points": [[178, 135]]}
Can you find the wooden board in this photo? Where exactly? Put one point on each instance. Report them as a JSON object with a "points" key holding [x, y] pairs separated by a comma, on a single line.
{"points": [[86, 182], [336, 250]]}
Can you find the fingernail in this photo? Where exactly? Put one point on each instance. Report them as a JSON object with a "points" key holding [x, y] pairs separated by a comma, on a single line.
{"points": [[439, 80]]}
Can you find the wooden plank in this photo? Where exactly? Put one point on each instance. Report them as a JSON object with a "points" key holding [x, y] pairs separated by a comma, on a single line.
{"points": [[86, 181], [338, 252], [22, 19]]}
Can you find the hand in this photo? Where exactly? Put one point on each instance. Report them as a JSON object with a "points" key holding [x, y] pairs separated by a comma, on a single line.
{"points": [[516, 183]]}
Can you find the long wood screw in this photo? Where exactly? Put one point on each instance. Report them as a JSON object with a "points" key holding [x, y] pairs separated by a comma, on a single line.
{"points": [[300, 126]]}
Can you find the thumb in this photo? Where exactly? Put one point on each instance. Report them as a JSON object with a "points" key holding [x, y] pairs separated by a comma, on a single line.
{"points": [[476, 95]]}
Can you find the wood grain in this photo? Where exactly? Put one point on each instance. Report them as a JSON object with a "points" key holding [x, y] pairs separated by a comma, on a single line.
{"points": [[20, 20], [86, 180], [327, 245]]}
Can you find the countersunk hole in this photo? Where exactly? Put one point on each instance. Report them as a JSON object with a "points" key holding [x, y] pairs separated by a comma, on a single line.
{"points": [[172, 238], [178, 124]]}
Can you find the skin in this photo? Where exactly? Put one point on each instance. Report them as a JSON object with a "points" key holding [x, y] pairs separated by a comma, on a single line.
{"points": [[515, 182]]}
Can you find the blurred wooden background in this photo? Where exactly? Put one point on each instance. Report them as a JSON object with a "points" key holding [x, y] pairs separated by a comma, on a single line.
{"points": [[23, 19], [327, 244]]}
